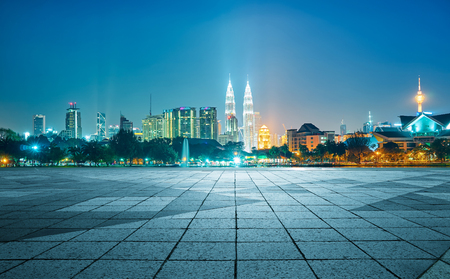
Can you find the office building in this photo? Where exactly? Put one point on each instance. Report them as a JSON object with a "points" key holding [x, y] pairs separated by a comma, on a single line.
{"points": [[231, 122], [153, 127], [73, 122], [343, 128], [180, 122], [113, 130], [208, 123], [38, 124], [101, 126], [125, 124], [250, 136]]}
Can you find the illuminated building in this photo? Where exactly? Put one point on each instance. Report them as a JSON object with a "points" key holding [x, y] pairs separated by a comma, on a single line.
{"points": [[101, 126], [257, 117], [180, 122], [343, 128], [153, 127], [138, 134], [208, 123], [38, 124], [250, 136], [231, 122], [309, 136], [368, 126], [264, 138], [112, 130], [125, 124], [73, 122], [423, 128]]}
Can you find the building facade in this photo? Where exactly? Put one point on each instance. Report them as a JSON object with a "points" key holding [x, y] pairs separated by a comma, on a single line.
{"points": [[308, 135], [208, 124], [153, 127], [38, 124], [101, 126], [180, 122], [125, 124], [73, 121], [264, 138], [231, 122], [113, 130], [250, 136]]}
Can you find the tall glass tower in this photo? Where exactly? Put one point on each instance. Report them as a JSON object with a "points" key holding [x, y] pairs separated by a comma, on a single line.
{"points": [[250, 139], [231, 122], [101, 126], [73, 121]]}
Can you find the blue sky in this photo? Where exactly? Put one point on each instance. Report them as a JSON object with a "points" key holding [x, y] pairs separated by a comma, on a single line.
{"points": [[313, 61]]}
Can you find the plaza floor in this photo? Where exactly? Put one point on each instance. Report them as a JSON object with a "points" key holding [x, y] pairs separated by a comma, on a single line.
{"points": [[224, 223]]}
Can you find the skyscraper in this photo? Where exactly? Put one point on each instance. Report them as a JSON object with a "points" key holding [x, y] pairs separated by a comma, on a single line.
{"points": [[38, 124], [208, 123], [180, 122], [343, 128], [101, 126], [368, 126], [231, 122], [125, 124], [153, 127], [250, 137], [73, 121]]}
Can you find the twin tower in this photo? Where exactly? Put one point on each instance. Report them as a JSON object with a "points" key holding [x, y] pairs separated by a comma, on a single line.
{"points": [[249, 134]]}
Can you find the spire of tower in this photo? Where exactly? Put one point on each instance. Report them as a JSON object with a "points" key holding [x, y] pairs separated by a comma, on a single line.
{"points": [[419, 82], [419, 99], [150, 104]]}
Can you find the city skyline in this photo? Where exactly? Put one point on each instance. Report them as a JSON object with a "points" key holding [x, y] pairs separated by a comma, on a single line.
{"points": [[306, 62]]}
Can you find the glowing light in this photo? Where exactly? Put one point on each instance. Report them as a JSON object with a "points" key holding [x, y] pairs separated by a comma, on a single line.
{"points": [[237, 160], [35, 147], [26, 135]]}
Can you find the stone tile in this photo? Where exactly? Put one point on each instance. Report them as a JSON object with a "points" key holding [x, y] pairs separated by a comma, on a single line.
{"points": [[204, 251], [197, 269], [398, 250], [151, 251], [417, 234], [78, 251], [331, 250], [161, 223], [439, 270], [104, 235], [315, 223], [407, 268], [274, 269], [349, 269], [47, 269], [315, 235], [53, 235], [367, 234], [262, 235], [393, 223], [268, 251], [24, 250], [349, 223], [210, 235], [436, 248], [121, 269], [8, 264], [446, 257], [259, 224], [228, 223], [156, 235]]}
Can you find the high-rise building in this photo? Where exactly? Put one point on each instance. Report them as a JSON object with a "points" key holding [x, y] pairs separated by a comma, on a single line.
{"points": [[264, 138], [125, 124], [208, 123], [101, 126], [368, 126], [258, 121], [112, 130], [231, 122], [38, 124], [343, 128], [153, 127], [73, 121], [180, 122], [250, 136]]}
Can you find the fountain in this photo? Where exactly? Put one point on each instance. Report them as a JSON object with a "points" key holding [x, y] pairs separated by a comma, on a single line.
{"points": [[185, 153]]}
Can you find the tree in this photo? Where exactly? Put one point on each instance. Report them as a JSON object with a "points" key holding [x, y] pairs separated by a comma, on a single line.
{"points": [[358, 146], [77, 155], [56, 154], [440, 148], [391, 151], [11, 149], [125, 145], [92, 151], [274, 152], [107, 154]]}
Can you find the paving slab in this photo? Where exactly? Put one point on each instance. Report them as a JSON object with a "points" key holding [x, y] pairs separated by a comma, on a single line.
{"points": [[148, 222]]}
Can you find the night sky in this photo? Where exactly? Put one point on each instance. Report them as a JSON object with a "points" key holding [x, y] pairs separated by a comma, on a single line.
{"points": [[316, 61]]}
